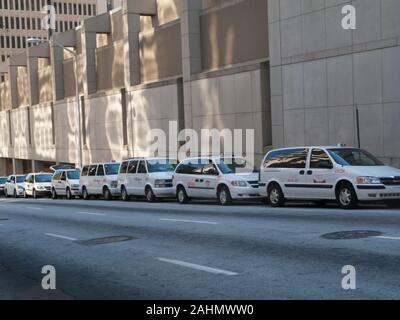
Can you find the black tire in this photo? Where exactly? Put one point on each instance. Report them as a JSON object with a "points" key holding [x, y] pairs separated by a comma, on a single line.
{"points": [[34, 194], [85, 194], [54, 194], [181, 195], [276, 198], [224, 196], [15, 194], [150, 196], [68, 194], [124, 194], [346, 196], [5, 193], [107, 194]]}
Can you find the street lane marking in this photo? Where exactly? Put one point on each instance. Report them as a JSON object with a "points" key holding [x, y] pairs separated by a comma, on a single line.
{"points": [[92, 213], [60, 237], [198, 267], [189, 221], [33, 208], [388, 238]]}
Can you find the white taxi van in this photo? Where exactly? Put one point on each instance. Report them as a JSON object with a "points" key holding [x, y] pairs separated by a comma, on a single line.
{"points": [[225, 179], [100, 179], [37, 185], [65, 183], [147, 177], [347, 175]]}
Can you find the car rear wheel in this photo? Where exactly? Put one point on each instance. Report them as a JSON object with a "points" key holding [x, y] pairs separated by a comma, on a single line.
{"points": [[182, 195], [34, 194], [275, 196], [346, 196], [150, 196], [53, 194], [85, 194], [124, 194], [224, 196]]}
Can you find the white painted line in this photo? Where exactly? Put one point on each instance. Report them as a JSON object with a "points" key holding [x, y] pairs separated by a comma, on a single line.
{"points": [[92, 213], [198, 267], [388, 238], [33, 208], [60, 237], [189, 221]]}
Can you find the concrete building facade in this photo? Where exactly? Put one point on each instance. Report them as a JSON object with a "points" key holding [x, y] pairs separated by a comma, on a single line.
{"points": [[325, 79], [285, 68]]}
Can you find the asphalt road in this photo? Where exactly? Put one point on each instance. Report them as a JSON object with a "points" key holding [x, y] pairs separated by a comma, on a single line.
{"points": [[196, 251]]}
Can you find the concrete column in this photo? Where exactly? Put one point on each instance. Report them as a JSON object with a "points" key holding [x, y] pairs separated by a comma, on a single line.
{"points": [[33, 88], [89, 61], [3, 167], [57, 58], [18, 166], [13, 83], [191, 52], [131, 47]]}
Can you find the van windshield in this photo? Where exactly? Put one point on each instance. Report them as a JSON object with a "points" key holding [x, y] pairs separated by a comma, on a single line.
{"points": [[20, 179], [354, 157], [161, 165], [111, 169], [73, 175], [235, 165], [43, 178]]}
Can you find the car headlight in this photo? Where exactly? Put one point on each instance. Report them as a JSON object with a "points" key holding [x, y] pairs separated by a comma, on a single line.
{"points": [[114, 184], [160, 183], [368, 180], [239, 184]]}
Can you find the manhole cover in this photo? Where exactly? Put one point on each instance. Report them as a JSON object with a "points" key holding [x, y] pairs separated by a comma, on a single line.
{"points": [[349, 235], [105, 240]]}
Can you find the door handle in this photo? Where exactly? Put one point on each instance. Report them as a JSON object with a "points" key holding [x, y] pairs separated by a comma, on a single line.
{"points": [[309, 172], [302, 172]]}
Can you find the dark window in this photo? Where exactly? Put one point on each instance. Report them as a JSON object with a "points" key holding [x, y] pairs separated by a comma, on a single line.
{"points": [[85, 171], [57, 176], [132, 166], [320, 160], [289, 158], [193, 167], [123, 167], [210, 169], [100, 171], [92, 171], [142, 167], [63, 176]]}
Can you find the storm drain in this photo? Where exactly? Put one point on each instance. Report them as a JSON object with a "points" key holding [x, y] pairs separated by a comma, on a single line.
{"points": [[351, 235], [105, 240]]}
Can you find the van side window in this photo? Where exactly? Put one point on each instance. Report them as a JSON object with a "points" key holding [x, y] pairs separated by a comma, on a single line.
{"points": [[123, 167], [132, 166], [320, 160], [100, 171], [142, 167], [287, 159], [92, 171], [85, 171], [210, 169], [63, 176]]}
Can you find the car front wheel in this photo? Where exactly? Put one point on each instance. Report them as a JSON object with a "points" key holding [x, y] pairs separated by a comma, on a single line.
{"points": [[346, 196], [224, 196], [53, 194], [107, 194], [85, 194], [150, 196]]}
